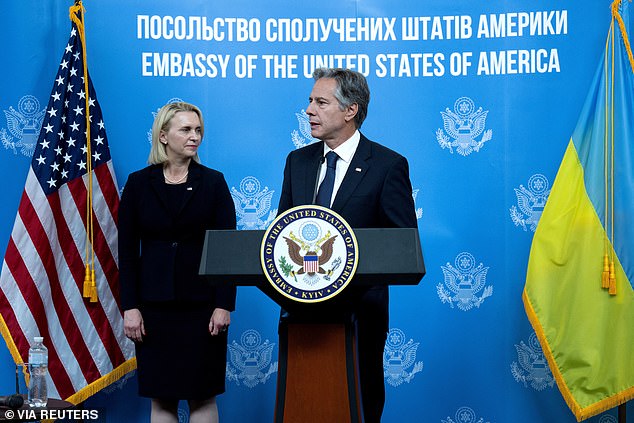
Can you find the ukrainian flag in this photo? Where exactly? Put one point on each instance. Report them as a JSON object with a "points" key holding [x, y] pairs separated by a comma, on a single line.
{"points": [[578, 294]]}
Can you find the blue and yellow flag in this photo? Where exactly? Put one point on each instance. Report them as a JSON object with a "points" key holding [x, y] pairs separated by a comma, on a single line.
{"points": [[578, 294]]}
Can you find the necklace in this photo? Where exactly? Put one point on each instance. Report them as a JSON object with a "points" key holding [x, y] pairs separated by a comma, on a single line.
{"points": [[172, 182]]}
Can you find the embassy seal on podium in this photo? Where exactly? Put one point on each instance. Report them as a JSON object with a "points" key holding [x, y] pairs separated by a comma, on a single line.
{"points": [[309, 254]]}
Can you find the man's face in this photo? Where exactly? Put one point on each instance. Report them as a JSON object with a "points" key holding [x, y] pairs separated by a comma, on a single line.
{"points": [[327, 121]]}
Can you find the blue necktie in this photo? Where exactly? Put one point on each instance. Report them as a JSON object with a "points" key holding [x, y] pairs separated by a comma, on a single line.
{"points": [[325, 188]]}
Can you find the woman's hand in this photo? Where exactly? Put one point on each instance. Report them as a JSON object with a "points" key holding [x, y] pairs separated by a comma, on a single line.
{"points": [[133, 325]]}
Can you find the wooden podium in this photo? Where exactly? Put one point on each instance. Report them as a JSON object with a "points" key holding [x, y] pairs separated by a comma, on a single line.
{"points": [[317, 366]]}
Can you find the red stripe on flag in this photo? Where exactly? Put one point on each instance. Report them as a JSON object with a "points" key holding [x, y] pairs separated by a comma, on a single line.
{"points": [[27, 287], [103, 174], [67, 250]]}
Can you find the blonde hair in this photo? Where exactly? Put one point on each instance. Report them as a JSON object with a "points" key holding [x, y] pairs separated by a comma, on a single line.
{"points": [[162, 121]]}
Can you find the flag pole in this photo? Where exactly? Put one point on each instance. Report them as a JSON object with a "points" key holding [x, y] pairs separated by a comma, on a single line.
{"points": [[621, 411]]}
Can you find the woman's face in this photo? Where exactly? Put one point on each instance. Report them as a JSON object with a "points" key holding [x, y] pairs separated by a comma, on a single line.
{"points": [[183, 136]]}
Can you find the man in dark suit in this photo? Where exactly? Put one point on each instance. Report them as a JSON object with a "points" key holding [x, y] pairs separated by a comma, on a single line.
{"points": [[368, 185]]}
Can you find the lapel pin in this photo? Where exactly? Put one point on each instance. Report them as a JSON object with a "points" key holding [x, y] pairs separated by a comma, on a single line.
{"points": [[358, 169], [189, 188]]}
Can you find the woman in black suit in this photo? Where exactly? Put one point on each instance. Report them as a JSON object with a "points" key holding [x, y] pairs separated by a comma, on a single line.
{"points": [[178, 322]]}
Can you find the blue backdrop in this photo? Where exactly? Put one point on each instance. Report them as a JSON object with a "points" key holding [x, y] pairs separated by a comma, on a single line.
{"points": [[480, 96]]}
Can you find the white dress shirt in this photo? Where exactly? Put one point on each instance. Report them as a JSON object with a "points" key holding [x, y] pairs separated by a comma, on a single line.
{"points": [[345, 151]]}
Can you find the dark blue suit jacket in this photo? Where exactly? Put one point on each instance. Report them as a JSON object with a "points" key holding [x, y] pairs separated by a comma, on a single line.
{"points": [[376, 192], [160, 246]]}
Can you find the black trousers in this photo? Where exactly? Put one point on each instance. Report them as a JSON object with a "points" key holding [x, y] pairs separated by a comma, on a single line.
{"points": [[372, 328]]}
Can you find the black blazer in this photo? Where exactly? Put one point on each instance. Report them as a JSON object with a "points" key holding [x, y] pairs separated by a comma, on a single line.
{"points": [[160, 246], [376, 191]]}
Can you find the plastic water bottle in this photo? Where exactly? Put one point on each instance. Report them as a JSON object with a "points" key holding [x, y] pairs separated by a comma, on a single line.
{"points": [[38, 369]]}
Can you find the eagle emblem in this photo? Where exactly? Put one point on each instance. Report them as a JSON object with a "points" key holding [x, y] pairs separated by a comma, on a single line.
{"points": [[250, 361], [309, 253], [311, 262], [465, 281], [252, 204], [533, 368], [531, 202], [398, 357], [24, 125], [464, 124]]}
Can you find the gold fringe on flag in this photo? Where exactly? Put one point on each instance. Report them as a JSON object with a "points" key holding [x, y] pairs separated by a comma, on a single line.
{"points": [[103, 382]]}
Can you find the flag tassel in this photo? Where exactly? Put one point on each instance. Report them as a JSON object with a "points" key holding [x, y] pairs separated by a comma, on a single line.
{"points": [[93, 288], [86, 290], [605, 277], [612, 288]]}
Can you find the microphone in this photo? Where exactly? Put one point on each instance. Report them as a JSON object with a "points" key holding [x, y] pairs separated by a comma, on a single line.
{"points": [[12, 401], [321, 162]]}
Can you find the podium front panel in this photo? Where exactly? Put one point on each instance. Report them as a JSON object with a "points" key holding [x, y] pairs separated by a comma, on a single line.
{"points": [[387, 256]]}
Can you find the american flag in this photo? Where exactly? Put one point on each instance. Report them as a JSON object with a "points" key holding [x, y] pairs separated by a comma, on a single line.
{"points": [[42, 279]]}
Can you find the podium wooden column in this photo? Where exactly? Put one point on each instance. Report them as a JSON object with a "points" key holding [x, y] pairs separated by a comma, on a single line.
{"points": [[317, 367], [318, 380]]}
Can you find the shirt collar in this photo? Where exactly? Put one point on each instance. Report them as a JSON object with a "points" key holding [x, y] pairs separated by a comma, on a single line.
{"points": [[346, 149]]}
